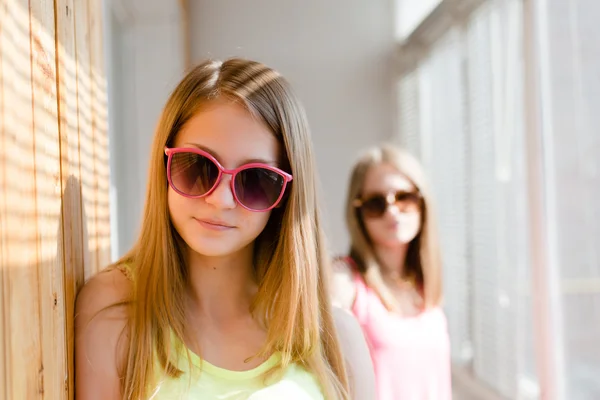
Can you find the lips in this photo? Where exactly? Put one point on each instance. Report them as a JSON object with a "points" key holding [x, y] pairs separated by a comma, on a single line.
{"points": [[214, 224], [393, 225]]}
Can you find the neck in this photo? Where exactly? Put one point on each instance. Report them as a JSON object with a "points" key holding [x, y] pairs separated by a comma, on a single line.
{"points": [[392, 260], [221, 288]]}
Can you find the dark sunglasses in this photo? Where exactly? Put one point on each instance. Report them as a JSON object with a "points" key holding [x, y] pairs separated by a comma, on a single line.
{"points": [[376, 205], [194, 173]]}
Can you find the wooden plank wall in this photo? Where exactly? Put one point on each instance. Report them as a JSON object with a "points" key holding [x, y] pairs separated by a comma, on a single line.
{"points": [[54, 211]]}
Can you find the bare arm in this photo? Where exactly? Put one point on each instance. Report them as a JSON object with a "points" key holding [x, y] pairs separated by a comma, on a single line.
{"points": [[98, 336], [356, 353], [343, 288]]}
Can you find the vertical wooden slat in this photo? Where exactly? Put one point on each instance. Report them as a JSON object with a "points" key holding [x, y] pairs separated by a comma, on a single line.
{"points": [[70, 170], [48, 197], [86, 144], [100, 134], [3, 232], [20, 250]]}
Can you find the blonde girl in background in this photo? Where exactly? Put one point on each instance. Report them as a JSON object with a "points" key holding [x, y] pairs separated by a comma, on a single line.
{"points": [[391, 278]]}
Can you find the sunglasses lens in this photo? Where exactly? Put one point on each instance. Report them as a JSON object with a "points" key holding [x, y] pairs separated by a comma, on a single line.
{"points": [[193, 174], [408, 201], [258, 188], [374, 207]]}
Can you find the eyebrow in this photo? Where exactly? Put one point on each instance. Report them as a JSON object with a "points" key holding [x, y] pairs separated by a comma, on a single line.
{"points": [[244, 162]]}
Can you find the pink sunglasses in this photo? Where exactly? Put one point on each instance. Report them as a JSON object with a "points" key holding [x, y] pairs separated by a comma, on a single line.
{"points": [[194, 173]]}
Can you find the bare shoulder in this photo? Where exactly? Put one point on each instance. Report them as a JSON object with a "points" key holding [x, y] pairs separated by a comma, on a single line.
{"points": [[100, 320], [356, 353], [342, 286], [105, 288]]}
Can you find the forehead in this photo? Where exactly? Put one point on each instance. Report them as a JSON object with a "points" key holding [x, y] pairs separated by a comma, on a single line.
{"points": [[231, 132], [382, 178]]}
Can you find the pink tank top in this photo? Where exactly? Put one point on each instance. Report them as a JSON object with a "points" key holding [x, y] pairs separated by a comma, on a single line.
{"points": [[411, 355]]}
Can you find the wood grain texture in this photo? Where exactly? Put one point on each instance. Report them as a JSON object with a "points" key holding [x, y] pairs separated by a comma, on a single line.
{"points": [[73, 234], [54, 186], [86, 142], [3, 228], [48, 197], [100, 134], [23, 318]]}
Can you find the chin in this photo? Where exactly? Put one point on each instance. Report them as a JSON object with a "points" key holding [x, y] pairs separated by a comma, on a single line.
{"points": [[215, 249], [392, 244], [397, 240]]}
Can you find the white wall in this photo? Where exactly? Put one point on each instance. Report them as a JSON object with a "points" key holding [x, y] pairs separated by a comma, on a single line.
{"points": [[338, 56], [144, 57]]}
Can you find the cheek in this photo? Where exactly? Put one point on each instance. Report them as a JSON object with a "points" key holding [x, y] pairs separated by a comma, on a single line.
{"points": [[175, 203], [254, 222], [374, 228], [179, 208], [410, 226]]}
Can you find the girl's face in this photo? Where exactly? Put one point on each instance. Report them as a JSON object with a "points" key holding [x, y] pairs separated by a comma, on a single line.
{"points": [[217, 224], [391, 207]]}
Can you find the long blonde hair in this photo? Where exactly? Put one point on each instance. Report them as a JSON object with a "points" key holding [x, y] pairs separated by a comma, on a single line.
{"points": [[290, 254], [423, 258]]}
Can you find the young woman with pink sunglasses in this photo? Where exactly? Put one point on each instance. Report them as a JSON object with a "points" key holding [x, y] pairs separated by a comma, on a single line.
{"points": [[224, 295], [391, 280]]}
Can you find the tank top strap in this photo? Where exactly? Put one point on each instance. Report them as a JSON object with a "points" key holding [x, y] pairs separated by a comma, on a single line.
{"points": [[125, 268], [360, 306]]}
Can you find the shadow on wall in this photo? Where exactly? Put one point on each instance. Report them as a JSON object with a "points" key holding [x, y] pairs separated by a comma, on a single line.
{"points": [[73, 245], [79, 262]]}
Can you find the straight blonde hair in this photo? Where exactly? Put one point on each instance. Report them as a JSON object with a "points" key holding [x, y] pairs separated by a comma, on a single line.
{"points": [[423, 257], [290, 254]]}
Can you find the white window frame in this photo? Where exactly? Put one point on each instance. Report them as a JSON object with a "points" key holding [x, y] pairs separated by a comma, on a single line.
{"points": [[413, 46]]}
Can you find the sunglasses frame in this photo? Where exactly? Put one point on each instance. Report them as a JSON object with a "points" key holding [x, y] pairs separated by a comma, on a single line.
{"points": [[170, 151], [390, 200]]}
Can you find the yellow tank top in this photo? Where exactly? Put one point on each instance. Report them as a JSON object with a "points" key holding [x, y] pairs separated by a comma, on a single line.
{"points": [[209, 382]]}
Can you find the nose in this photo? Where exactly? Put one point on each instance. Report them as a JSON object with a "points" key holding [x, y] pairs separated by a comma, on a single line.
{"points": [[392, 207], [222, 196], [393, 210]]}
